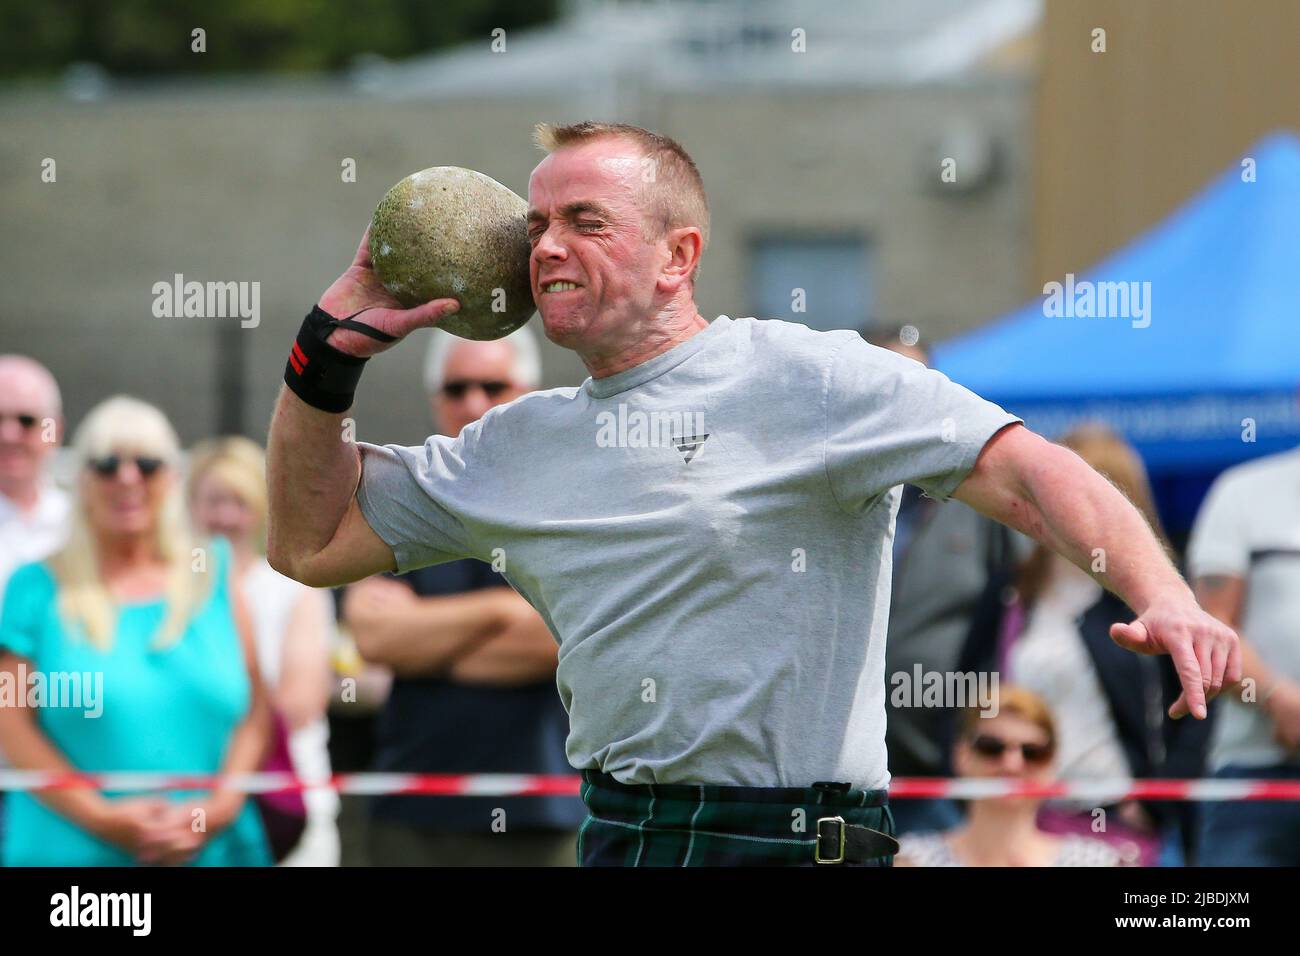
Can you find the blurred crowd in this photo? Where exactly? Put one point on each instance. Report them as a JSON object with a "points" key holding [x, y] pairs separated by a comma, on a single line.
{"points": [[141, 577], [972, 597], [148, 580]]}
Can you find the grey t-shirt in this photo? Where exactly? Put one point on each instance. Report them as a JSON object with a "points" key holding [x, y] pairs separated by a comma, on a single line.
{"points": [[708, 537]]}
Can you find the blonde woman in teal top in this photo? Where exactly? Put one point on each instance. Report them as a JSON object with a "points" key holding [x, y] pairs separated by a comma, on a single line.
{"points": [[141, 620]]}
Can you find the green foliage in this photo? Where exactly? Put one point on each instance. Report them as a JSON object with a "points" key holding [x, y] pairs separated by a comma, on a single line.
{"points": [[142, 38]]}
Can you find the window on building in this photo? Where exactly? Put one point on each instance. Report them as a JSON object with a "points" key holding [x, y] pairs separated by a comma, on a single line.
{"points": [[825, 282]]}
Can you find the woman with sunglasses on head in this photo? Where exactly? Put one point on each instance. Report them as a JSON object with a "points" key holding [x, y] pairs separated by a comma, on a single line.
{"points": [[144, 615], [1018, 742]]}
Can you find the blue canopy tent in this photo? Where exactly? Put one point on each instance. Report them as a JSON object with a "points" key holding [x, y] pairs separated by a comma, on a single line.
{"points": [[1186, 341]]}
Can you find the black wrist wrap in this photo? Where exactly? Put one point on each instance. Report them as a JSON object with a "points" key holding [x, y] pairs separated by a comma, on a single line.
{"points": [[320, 374]]}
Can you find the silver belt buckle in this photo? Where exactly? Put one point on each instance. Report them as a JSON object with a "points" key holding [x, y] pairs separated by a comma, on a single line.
{"points": [[817, 847]]}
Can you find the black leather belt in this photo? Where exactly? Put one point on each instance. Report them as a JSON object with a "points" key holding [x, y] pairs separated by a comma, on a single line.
{"points": [[840, 842]]}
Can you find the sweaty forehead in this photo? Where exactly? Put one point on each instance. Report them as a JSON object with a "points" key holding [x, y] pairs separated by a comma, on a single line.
{"points": [[606, 171]]}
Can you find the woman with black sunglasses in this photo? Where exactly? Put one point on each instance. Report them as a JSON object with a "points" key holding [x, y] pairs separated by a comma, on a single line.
{"points": [[1019, 743], [139, 619]]}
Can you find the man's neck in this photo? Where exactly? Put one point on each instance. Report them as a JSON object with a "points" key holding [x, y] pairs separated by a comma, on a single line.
{"points": [[24, 496], [665, 336]]}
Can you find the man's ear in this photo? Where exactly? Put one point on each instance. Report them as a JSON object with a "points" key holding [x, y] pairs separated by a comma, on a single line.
{"points": [[685, 247]]}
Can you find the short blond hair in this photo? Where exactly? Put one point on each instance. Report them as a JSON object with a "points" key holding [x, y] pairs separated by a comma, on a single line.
{"points": [[238, 463], [675, 195], [1014, 700]]}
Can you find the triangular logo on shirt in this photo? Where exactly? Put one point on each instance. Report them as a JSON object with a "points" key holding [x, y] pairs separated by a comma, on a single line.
{"points": [[689, 445]]}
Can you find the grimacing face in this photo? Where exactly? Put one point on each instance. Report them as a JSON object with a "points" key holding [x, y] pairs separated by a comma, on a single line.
{"points": [[586, 228]]}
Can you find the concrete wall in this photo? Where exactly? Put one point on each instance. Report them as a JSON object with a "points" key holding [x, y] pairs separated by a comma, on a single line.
{"points": [[241, 183]]}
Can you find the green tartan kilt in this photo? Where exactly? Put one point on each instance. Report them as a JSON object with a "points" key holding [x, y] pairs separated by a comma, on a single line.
{"points": [[689, 825]]}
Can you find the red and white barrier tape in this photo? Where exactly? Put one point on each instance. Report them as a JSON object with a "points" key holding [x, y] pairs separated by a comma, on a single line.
{"points": [[565, 785], [1097, 791]]}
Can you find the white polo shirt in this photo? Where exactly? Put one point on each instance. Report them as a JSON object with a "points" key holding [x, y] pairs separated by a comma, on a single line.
{"points": [[31, 536], [27, 536], [1249, 527]]}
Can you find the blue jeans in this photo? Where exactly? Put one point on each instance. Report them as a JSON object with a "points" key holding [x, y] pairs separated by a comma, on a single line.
{"points": [[1171, 847], [1260, 833]]}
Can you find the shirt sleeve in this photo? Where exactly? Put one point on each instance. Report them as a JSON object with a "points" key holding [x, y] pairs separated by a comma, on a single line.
{"points": [[892, 421], [409, 496], [1219, 543], [28, 597]]}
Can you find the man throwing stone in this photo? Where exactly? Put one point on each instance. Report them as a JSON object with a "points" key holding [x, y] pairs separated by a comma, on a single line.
{"points": [[704, 524]]}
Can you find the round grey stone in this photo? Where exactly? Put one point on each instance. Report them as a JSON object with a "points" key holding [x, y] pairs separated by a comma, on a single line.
{"points": [[449, 232]]}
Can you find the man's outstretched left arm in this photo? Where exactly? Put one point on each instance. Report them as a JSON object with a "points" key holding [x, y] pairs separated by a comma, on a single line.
{"points": [[1050, 494]]}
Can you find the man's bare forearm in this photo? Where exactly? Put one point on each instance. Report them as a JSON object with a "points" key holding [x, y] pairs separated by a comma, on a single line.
{"points": [[1051, 494], [311, 475], [316, 533], [424, 636], [1082, 516], [524, 653]]}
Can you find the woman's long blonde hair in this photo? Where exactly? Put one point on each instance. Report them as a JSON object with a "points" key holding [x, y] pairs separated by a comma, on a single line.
{"points": [[115, 426]]}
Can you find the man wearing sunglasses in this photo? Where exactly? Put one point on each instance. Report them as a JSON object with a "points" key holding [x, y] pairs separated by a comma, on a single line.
{"points": [[704, 524], [33, 512]]}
